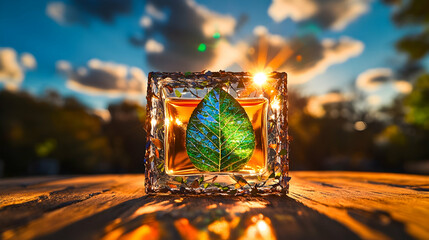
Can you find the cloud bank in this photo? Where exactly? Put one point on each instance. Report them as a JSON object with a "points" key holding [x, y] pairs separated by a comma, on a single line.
{"points": [[181, 35], [315, 104], [376, 78], [189, 38], [302, 57], [82, 11], [328, 14], [106, 78], [12, 69]]}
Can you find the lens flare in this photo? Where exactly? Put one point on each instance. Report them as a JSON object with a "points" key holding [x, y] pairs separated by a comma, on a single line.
{"points": [[260, 78]]}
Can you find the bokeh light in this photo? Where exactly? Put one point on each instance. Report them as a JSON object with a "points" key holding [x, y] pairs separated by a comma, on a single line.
{"points": [[360, 125], [202, 47]]}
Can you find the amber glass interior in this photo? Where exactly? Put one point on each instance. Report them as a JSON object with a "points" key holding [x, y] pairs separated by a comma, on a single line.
{"points": [[177, 114]]}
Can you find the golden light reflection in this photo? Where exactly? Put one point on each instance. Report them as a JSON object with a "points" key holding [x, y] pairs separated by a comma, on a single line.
{"points": [[150, 208], [260, 228], [178, 122], [153, 122], [262, 59], [168, 121], [188, 231], [150, 230], [275, 104], [220, 228], [260, 78], [143, 232]]}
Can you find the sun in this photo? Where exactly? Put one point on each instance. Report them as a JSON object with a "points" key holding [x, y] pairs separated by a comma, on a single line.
{"points": [[260, 78]]}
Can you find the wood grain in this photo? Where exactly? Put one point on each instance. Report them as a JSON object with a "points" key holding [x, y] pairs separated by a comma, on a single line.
{"points": [[320, 205]]}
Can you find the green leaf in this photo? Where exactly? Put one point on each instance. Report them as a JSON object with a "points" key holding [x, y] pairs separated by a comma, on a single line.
{"points": [[178, 94], [178, 179], [240, 180], [201, 179], [219, 135]]}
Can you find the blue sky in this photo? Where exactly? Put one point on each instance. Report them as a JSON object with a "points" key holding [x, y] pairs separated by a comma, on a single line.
{"points": [[26, 27]]}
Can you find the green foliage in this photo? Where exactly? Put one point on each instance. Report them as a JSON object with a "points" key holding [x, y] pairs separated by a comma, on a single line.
{"points": [[416, 46], [219, 136], [414, 13], [330, 142], [45, 148], [64, 130], [126, 136], [418, 103]]}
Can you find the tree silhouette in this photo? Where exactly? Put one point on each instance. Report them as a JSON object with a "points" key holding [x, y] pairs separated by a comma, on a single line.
{"points": [[413, 13]]}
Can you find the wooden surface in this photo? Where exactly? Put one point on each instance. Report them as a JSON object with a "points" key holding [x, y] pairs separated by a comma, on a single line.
{"points": [[321, 205]]}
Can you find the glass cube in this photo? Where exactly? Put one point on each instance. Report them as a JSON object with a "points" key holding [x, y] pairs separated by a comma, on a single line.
{"points": [[217, 133]]}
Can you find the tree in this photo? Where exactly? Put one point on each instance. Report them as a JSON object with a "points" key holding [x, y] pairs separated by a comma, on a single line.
{"points": [[127, 137], [32, 130], [418, 103], [413, 13]]}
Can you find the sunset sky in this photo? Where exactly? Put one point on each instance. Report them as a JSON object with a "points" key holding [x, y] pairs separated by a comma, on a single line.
{"points": [[101, 51]]}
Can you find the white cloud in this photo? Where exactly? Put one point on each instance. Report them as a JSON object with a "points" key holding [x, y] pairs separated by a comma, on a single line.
{"points": [[374, 100], [12, 72], [145, 21], [333, 14], [154, 12], [9, 66], [63, 66], [403, 86], [64, 14], [103, 114], [315, 105], [152, 46], [297, 10], [214, 22], [372, 79], [260, 30], [187, 26], [190, 25], [227, 54], [334, 52], [81, 12], [106, 78], [28, 61], [376, 78]]}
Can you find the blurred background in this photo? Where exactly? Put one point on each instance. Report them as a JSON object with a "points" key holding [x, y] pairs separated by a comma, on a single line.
{"points": [[73, 77]]}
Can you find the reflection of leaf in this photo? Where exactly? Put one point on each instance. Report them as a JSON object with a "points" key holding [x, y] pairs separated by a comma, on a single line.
{"points": [[219, 136]]}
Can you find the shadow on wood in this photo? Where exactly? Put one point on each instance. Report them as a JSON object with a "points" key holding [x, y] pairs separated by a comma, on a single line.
{"points": [[173, 217], [321, 205]]}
